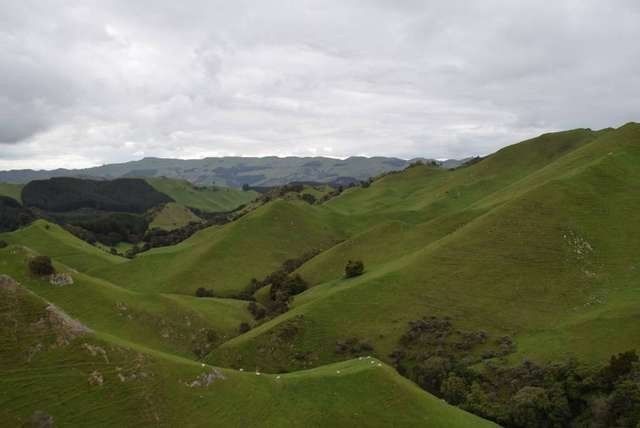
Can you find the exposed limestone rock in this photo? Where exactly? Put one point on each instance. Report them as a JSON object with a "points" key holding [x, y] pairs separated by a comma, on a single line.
{"points": [[206, 379], [65, 327], [40, 419], [95, 378], [60, 279], [96, 350], [8, 283]]}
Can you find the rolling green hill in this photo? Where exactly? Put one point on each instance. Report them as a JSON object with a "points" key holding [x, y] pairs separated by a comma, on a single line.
{"points": [[53, 368], [540, 256], [211, 199], [173, 216], [530, 254], [226, 258]]}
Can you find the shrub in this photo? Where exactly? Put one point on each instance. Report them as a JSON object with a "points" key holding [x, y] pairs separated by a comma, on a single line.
{"points": [[353, 347], [308, 198], [244, 327], [41, 265], [353, 268], [204, 292], [3, 244], [256, 310]]}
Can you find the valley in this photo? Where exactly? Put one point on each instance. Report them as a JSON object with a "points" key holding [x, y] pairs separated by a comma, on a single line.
{"points": [[235, 306]]}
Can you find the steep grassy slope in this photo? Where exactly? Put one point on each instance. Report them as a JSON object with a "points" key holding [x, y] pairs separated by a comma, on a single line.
{"points": [[53, 368], [212, 199], [51, 239], [173, 216], [11, 190], [428, 203], [181, 325], [226, 258], [550, 263]]}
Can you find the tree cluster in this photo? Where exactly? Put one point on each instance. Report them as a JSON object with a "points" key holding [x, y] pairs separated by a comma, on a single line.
{"points": [[13, 215], [461, 367], [63, 194], [288, 266]]}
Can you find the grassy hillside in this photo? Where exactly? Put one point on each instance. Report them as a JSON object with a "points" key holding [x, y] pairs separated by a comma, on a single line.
{"points": [[177, 324], [535, 246], [226, 258], [52, 366], [173, 216], [51, 239], [11, 190], [212, 199], [547, 258]]}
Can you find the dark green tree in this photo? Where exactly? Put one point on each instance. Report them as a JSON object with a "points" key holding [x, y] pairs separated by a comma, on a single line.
{"points": [[530, 406], [41, 266], [353, 268]]}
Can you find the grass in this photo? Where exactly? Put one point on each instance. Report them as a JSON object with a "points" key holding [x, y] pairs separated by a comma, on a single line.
{"points": [[537, 242], [211, 199], [12, 190], [173, 324], [54, 241], [502, 257], [225, 259], [138, 386], [173, 216]]}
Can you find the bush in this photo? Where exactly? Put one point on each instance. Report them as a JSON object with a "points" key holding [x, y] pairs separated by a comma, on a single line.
{"points": [[353, 268], [3, 244], [353, 347], [41, 266], [256, 310], [244, 327], [204, 292], [308, 198]]}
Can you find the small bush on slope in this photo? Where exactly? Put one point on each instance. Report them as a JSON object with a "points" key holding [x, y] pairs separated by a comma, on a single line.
{"points": [[41, 265], [353, 269]]}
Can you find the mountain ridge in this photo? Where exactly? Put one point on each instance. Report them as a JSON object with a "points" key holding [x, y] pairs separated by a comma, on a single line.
{"points": [[235, 171]]}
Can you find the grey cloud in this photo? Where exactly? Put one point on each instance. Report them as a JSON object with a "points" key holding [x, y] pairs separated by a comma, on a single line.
{"points": [[115, 80]]}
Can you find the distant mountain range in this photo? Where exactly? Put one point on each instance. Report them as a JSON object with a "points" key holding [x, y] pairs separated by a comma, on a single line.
{"points": [[235, 171]]}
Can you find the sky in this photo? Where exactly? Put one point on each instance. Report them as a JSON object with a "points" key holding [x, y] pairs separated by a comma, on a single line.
{"points": [[89, 82]]}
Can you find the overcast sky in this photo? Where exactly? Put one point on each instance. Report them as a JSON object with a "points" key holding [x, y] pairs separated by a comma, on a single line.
{"points": [[89, 82]]}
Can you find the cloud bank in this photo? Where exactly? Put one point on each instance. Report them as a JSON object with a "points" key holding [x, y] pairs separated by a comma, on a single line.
{"points": [[89, 82]]}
